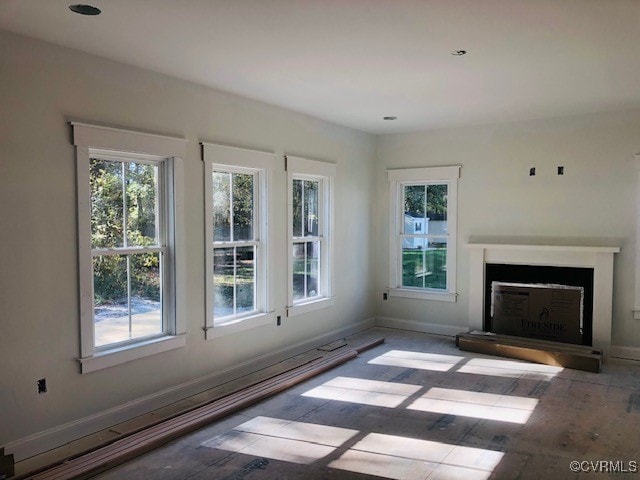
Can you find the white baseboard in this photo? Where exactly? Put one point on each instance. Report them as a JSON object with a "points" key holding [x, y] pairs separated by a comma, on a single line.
{"points": [[48, 439], [414, 326], [629, 353]]}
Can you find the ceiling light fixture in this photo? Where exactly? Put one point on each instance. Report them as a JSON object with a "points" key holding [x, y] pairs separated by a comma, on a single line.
{"points": [[389, 118], [85, 9], [458, 53]]}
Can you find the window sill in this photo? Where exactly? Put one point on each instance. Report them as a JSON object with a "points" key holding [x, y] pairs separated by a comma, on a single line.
{"points": [[423, 295], [117, 356], [239, 325], [302, 308]]}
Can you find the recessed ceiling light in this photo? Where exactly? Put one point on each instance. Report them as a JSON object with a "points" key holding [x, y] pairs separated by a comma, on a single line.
{"points": [[458, 53], [85, 9], [389, 118]]}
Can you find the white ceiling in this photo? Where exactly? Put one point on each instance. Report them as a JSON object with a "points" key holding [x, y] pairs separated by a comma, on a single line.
{"points": [[354, 61]]}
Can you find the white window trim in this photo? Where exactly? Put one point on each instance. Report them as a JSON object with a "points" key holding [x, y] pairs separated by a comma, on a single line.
{"points": [[241, 160], [94, 138], [636, 308], [397, 179], [302, 168]]}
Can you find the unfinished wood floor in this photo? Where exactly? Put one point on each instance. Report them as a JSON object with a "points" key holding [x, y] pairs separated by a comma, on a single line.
{"points": [[418, 408]]}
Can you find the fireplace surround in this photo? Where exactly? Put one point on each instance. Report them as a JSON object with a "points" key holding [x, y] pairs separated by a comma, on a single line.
{"points": [[599, 259]]}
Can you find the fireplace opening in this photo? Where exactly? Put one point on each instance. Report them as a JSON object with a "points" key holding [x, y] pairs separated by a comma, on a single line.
{"points": [[537, 301]]}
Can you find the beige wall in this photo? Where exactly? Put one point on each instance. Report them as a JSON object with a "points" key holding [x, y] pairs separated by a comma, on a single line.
{"points": [[42, 88], [594, 201]]}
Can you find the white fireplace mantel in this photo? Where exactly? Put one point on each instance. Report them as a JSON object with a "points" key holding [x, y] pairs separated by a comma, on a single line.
{"points": [[600, 258]]}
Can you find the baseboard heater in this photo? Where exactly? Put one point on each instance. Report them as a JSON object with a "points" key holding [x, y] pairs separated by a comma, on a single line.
{"points": [[566, 355], [122, 450]]}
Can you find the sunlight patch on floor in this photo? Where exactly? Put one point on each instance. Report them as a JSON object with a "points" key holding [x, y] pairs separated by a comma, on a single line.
{"points": [[286, 440], [489, 406], [510, 369], [366, 392], [419, 360], [405, 458]]}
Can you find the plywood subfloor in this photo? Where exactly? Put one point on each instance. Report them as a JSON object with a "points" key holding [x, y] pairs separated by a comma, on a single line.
{"points": [[129, 438], [418, 408]]}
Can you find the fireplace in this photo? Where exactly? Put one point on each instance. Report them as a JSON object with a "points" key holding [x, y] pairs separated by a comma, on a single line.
{"points": [[587, 267], [539, 301]]}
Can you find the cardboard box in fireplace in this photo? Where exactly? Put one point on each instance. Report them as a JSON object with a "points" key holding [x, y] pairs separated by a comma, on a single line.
{"points": [[545, 311]]}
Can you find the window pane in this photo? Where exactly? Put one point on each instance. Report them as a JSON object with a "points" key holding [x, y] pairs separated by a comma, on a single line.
{"points": [[297, 208], [223, 282], [310, 208], [413, 271], [105, 180], [313, 268], [414, 209], [146, 307], [436, 264], [111, 302], [245, 279], [424, 263], [142, 192], [437, 209], [299, 271], [221, 206], [242, 206]]}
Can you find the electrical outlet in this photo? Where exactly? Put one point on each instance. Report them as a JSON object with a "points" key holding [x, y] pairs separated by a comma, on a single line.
{"points": [[279, 320], [560, 170], [385, 296], [42, 385]]}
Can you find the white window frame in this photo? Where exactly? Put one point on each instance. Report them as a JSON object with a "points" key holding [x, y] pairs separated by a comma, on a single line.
{"points": [[95, 140], [398, 179], [636, 307], [261, 165], [325, 173]]}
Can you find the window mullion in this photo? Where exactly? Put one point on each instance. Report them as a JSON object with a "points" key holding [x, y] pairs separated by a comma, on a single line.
{"points": [[126, 251], [305, 268], [231, 219], [308, 238], [302, 217], [319, 286], [424, 263], [237, 243], [321, 212], [125, 212], [257, 205], [255, 278], [426, 192], [129, 292], [160, 196], [235, 281]]}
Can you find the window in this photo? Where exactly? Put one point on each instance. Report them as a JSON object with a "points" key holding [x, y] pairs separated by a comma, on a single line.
{"points": [[310, 228], [128, 195], [236, 237], [127, 247], [307, 244], [423, 232]]}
